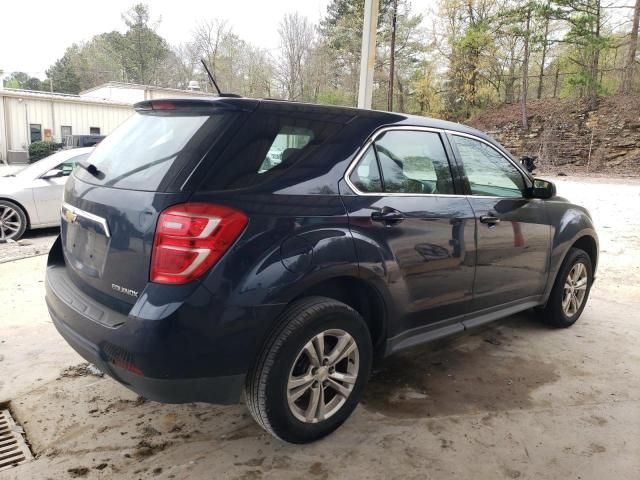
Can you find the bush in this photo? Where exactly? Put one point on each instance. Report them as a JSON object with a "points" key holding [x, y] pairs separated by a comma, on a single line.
{"points": [[41, 149]]}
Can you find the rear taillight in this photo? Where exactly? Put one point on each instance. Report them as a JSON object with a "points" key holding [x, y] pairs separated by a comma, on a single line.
{"points": [[190, 238]]}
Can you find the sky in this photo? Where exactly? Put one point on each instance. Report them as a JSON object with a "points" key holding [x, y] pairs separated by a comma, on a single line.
{"points": [[34, 34]]}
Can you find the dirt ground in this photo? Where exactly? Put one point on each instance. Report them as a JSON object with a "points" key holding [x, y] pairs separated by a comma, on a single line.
{"points": [[516, 400], [35, 242]]}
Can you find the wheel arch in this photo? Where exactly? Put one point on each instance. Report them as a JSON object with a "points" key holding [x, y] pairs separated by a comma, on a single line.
{"points": [[586, 240], [589, 245], [360, 295]]}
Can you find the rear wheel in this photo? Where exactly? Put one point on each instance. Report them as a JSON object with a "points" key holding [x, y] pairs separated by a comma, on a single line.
{"points": [[570, 291], [13, 221], [312, 372]]}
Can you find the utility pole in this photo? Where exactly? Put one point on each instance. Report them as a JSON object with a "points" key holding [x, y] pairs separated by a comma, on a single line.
{"points": [[392, 60], [368, 53]]}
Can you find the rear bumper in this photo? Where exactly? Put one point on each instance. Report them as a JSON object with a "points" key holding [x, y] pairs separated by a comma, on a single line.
{"points": [[220, 390], [187, 356]]}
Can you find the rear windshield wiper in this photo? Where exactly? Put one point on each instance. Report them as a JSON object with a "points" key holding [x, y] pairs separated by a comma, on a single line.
{"points": [[91, 168]]}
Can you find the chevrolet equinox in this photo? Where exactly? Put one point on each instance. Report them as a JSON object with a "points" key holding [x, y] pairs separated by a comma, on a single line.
{"points": [[219, 247]]}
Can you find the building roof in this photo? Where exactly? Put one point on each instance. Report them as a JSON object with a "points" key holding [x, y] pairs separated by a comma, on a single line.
{"points": [[137, 86], [62, 97]]}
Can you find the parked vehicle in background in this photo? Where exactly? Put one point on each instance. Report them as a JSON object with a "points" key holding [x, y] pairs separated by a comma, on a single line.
{"points": [[80, 141], [203, 270], [31, 197]]}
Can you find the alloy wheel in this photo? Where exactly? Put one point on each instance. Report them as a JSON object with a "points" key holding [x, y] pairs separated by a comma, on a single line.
{"points": [[575, 289], [323, 376], [10, 222]]}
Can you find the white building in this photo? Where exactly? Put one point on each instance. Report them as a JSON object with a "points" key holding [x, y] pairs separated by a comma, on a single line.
{"points": [[27, 116], [131, 92]]}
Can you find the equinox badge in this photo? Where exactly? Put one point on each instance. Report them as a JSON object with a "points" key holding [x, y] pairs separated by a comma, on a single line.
{"points": [[126, 291]]}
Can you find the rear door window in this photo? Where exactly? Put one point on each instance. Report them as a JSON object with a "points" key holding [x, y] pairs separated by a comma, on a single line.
{"points": [[366, 175], [147, 151], [410, 162]]}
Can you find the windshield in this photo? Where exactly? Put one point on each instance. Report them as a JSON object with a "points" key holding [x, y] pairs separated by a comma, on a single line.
{"points": [[150, 148], [63, 160]]}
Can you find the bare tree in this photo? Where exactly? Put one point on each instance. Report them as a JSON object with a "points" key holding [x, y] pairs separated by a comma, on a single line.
{"points": [[546, 15], [209, 39], [184, 65], [296, 41], [525, 70], [392, 54], [629, 68]]}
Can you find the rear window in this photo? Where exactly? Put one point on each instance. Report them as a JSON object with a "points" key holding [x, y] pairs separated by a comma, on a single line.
{"points": [[149, 149], [268, 144]]}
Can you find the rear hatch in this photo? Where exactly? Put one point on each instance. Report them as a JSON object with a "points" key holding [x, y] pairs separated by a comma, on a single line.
{"points": [[112, 202]]}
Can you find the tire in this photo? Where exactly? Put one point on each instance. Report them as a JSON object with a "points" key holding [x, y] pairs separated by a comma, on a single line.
{"points": [[554, 313], [13, 221], [267, 391]]}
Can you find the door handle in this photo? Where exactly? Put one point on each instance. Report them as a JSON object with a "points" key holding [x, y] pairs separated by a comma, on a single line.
{"points": [[490, 220], [387, 216]]}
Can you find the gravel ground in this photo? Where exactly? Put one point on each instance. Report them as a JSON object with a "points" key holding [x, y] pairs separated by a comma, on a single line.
{"points": [[516, 400], [34, 242]]}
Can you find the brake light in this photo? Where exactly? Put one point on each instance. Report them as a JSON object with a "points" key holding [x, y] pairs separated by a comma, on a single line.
{"points": [[190, 238], [160, 105]]}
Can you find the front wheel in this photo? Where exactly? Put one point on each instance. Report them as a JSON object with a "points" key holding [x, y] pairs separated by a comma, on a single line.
{"points": [[570, 290], [13, 221], [312, 371]]}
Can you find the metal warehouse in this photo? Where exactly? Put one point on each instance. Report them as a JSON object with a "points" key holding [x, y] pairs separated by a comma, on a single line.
{"points": [[28, 116]]}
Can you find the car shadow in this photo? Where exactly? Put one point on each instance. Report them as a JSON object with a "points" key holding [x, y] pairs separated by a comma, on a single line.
{"points": [[40, 233], [479, 371]]}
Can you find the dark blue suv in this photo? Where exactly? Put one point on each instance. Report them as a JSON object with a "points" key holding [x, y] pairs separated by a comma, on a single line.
{"points": [[220, 246]]}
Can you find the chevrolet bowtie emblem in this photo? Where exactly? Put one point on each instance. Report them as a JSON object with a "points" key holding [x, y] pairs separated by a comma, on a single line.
{"points": [[70, 216]]}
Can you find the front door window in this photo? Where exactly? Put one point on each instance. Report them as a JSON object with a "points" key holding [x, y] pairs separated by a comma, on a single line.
{"points": [[489, 172]]}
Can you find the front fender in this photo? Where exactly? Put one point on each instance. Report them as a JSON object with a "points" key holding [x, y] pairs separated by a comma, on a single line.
{"points": [[569, 223]]}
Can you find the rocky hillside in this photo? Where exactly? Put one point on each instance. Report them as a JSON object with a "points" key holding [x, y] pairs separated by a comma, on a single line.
{"points": [[565, 136]]}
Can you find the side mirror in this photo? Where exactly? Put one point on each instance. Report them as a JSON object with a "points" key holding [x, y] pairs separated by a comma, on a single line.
{"points": [[55, 173], [543, 189]]}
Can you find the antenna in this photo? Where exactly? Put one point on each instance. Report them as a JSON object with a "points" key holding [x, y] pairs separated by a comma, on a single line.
{"points": [[204, 64]]}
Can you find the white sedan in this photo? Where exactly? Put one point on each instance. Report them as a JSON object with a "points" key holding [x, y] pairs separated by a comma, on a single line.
{"points": [[31, 198]]}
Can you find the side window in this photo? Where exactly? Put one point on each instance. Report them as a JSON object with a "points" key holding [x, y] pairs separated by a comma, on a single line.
{"points": [[413, 162], [288, 143], [68, 165], [488, 171], [366, 175], [269, 143], [35, 132], [65, 131]]}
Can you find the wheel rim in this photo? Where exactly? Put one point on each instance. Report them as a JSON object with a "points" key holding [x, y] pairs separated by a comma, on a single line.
{"points": [[575, 289], [323, 376], [10, 222]]}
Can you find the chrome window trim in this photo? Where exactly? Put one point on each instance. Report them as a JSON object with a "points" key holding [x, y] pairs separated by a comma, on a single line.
{"points": [[370, 142], [89, 216]]}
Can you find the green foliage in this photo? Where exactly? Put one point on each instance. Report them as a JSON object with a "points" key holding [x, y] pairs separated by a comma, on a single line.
{"points": [[341, 41], [41, 149], [466, 56], [22, 80], [64, 72], [142, 50], [139, 56], [333, 96]]}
